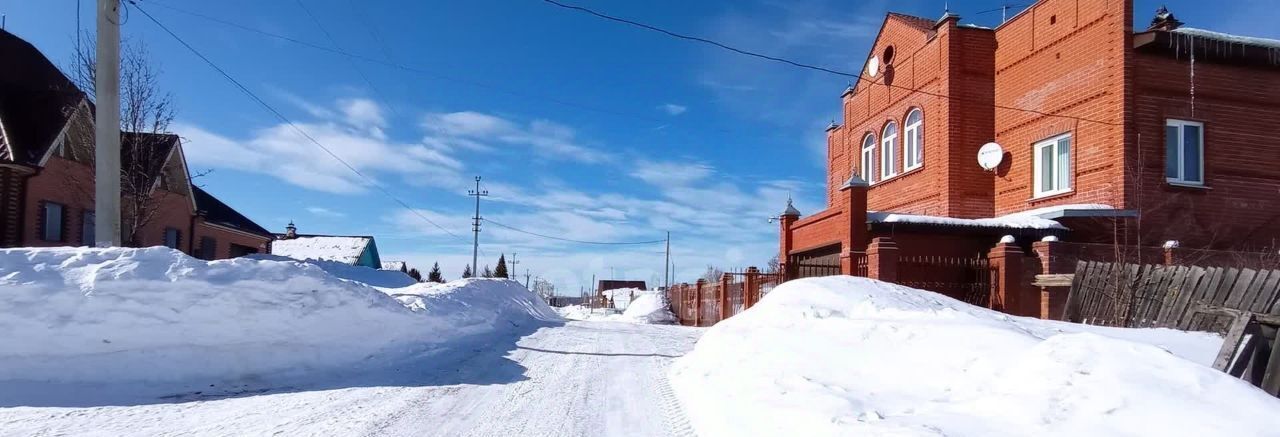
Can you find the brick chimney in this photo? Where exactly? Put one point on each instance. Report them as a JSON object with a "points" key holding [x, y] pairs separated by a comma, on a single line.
{"points": [[1164, 20], [291, 231]]}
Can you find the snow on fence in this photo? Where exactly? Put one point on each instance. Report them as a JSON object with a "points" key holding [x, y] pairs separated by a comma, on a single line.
{"points": [[1132, 295], [704, 303]]}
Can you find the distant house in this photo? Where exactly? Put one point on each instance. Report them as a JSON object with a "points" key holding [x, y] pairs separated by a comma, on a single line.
{"points": [[47, 180], [611, 284], [356, 250], [395, 265]]}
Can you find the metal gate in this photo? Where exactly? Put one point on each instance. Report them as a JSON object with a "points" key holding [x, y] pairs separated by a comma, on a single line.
{"points": [[824, 261]]}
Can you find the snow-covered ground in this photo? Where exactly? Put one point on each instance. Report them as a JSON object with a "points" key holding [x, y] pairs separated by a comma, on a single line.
{"points": [[648, 306], [153, 342], [853, 356]]}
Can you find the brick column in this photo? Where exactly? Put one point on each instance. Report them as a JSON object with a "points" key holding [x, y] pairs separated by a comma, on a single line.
{"points": [[854, 196], [882, 259], [1009, 295], [697, 301], [1055, 257], [785, 242], [750, 287], [1171, 253], [723, 296]]}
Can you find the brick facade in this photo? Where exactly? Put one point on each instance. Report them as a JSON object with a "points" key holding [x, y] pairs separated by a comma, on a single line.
{"points": [[1061, 68]]}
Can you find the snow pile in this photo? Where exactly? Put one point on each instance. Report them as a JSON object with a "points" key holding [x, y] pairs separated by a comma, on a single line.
{"points": [[322, 247], [853, 356], [155, 314], [621, 297], [362, 274], [475, 305], [650, 308], [579, 312]]}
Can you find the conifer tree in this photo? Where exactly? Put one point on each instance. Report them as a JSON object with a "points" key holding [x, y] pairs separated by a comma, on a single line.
{"points": [[466, 273], [415, 274], [434, 275], [501, 271], [488, 272]]}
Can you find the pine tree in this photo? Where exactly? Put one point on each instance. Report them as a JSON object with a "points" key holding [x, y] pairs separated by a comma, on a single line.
{"points": [[466, 273], [434, 275], [501, 271], [488, 272], [415, 274]]}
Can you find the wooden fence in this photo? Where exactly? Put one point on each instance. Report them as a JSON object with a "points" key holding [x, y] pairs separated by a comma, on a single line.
{"points": [[1131, 295]]}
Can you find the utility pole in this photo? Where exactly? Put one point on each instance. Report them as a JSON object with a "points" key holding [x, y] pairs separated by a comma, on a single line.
{"points": [[475, 228], [513, 273], [106, 192], [526, 278], [666, 275]]}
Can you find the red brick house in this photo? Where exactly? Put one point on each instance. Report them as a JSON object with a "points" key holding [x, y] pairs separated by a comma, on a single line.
{"points": [[46, 171], [1106, 136]]}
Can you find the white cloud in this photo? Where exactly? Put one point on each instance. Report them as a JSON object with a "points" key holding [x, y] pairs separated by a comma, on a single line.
{"points": [[325, 212], [670, 173], [478, 131], [354, 133], [673, 109]]}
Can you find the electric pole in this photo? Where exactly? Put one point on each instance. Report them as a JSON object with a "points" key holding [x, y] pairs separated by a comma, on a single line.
{"points": [[512, 269], [526, 278], [666, 275], [106, 86], [475, 227]]}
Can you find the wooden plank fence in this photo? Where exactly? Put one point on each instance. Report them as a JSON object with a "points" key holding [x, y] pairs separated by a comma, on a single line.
{"points": [[1139, 296]]}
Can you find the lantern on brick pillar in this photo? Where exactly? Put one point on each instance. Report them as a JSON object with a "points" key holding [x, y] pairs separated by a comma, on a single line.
{"points": [[788, 217]]}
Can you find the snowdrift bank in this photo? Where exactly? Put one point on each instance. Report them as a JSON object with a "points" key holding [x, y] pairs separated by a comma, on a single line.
{"points": [[853, 356], [650, 308], [361, 274], [155, 314]]}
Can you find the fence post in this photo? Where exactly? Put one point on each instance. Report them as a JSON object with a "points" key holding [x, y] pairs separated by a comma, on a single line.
{"points": [[882, 259], [785, 221], [1171, 252], [697, 301], [750, 287], [1008, 293], [855, 192], [723, 296]]}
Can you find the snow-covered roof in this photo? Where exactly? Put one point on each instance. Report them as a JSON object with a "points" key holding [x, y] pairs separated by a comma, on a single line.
{"points": [[1226, 37], [1011, 221], [328, 248], [393, 265]]}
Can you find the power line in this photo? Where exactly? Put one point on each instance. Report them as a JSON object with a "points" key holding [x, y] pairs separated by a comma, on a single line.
{"points": [[522, 231], [350, 61], [745, 52], [420, 71], [286, 120]]}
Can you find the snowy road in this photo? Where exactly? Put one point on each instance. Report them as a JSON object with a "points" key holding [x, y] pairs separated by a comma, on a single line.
{"points": [[575, 379]]}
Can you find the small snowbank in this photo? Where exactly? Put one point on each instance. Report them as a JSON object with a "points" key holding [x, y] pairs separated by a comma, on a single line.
{"points": [[622, 297], [362, 274], [155, 314], [649, 308], [853, 356]]}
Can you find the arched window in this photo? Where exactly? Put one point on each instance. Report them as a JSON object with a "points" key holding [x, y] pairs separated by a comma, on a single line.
{"points": [[869, 158], [889, 151], [913, 141]]}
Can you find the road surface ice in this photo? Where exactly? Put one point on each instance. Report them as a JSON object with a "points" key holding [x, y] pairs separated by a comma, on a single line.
{"points": [[571, 379]]}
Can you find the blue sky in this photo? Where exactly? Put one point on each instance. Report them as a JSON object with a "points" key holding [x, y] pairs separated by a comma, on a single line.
{"points": [[582, 128]]}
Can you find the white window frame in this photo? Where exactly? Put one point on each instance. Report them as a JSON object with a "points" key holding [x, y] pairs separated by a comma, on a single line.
{"points": [[913, 141], [888, 151], [869, 158], [1180, 178], [1038, 166]]}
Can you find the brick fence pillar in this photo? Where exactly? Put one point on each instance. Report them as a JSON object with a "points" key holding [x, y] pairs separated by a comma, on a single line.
{"points": [[854, 193], [723, 296], [750, 287], [697, 301], [785, 241], [1008, 293], [1172, 256], [882, 259]]}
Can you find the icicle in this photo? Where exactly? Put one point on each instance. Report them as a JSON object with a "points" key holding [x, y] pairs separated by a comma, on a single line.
{"points": [[1193, 75]]}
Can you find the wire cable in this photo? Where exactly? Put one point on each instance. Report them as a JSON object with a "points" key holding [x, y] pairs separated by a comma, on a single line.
{"points": [[286, 120], [610, 243], [351, 62], [745, 52]]}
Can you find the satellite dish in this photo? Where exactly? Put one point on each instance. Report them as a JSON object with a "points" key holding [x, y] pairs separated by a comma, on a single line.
{"points": [[873, 66], [990, 155]]}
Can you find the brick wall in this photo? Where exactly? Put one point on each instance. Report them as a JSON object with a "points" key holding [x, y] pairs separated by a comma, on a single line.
{"points": [[62, 181], [223, 238]]}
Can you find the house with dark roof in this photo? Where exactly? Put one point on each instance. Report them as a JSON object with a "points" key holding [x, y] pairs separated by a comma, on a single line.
{"points": [[47, 174]]}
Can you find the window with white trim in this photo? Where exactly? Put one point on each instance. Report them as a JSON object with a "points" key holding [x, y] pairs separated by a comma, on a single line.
{"points": [[1184, 152], [869, 158], [1052, 166], [889, 151], [913, 141]]}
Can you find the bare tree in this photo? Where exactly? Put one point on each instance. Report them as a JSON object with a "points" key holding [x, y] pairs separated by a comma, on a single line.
{"points": [[713, 273], [145, 115]]}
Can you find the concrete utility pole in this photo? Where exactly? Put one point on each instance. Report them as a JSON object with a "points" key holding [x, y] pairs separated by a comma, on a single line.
{"points": [[526, 278], [106, 193], [666, 275], [512, 273], [475, 228]]}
